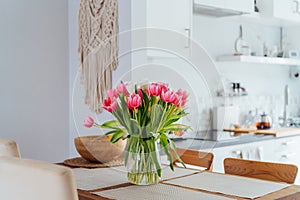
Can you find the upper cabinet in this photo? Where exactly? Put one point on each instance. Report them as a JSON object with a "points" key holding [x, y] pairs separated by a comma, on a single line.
{"points": [[287, 10], [173, 21], [260, 60], [223, 8]]}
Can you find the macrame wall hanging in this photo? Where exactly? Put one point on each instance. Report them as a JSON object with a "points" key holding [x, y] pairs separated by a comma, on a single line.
{"points": [[98, 48]]}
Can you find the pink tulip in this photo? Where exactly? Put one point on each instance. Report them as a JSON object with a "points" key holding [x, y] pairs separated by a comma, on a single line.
{"points": [[182, 95], [110, 104], [170, 97], [140, 93], [181, 104], [121, 89], [88, 122], [134, 101], [163, 86], [179, 133], [112, 93], [176, 101], [145, 90], [155, 90]]}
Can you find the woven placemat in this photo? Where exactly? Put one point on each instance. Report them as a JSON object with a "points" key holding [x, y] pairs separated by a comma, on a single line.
{"points": [[80, 162]]}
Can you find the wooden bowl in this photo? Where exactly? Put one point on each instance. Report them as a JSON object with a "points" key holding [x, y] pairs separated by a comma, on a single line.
{"points": [[99, 148]]}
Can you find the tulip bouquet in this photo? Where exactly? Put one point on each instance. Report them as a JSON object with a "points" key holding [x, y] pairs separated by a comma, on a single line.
{"points": [[145, 116]]}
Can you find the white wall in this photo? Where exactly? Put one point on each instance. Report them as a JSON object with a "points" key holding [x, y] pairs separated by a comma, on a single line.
{"points": [[78, 110], [265, 83], [34, 77], [39, 108]]}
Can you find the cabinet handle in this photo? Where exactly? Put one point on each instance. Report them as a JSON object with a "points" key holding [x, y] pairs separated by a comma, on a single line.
{"points": [[238, 153], [288, 155], [188, 36], [288, 143], [296, 6]]}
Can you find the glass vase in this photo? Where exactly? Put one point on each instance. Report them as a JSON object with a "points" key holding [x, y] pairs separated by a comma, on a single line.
{"points": [[143, 161]]}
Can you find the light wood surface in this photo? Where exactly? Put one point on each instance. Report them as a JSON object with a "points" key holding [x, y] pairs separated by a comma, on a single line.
{"points": [[289, 193], [277, 132], [252, 131], [194, 157], [261, 170]]}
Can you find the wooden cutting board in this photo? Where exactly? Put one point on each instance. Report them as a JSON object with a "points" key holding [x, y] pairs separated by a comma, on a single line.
{"points": [[277, 132]]}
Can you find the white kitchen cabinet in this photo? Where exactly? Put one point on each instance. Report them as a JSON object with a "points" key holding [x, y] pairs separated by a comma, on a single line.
{"points": [[288, 10], [282, 150], [259, 60], [240, 7], [210, 3], [246, 6], [173, 18], [252, 150]]}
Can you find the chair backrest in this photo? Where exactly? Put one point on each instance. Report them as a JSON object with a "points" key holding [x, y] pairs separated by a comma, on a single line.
{"points": [[35, 180], [194, 157], [261, 170], [9, 148]]}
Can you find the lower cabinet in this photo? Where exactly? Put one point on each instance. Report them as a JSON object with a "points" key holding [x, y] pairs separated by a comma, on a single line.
{"points": [[282, 150], [232, 151]]}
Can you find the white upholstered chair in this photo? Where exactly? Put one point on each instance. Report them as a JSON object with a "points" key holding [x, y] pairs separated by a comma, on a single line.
{"points": [[35, 180], [9, 148]]}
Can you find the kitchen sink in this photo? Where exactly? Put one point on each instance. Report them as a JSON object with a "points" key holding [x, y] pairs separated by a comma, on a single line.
{"points": [[294, 123], [291, 122]]}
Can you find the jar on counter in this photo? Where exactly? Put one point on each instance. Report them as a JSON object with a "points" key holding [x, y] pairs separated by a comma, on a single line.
{"points": [[264, 122], [246, 50]]}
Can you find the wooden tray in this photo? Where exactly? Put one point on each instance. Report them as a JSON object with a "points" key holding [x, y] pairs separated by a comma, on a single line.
{"points": [[252, 131], [277, 132], [80, 162]]}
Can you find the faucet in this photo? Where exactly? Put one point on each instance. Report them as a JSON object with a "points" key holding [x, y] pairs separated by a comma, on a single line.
{"points": [[286, 104]]}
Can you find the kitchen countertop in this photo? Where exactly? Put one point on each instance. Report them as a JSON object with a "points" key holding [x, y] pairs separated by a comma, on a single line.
{"points": [[277, 131], [198, 144]]}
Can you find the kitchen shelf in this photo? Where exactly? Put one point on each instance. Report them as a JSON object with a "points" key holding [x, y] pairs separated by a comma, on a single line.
{"points": [[231, 94], [259, 59], [265, 20]]}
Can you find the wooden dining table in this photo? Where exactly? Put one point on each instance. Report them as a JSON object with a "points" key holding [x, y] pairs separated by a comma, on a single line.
{"points": [[291, 192]]}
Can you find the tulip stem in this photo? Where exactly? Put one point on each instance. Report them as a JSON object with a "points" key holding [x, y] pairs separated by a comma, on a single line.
{"points": [[143, 164]]}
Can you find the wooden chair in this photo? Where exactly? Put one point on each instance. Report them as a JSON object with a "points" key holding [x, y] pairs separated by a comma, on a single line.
{"points": [[35, 180], [194, 157], [261, 170], [9, 148]]}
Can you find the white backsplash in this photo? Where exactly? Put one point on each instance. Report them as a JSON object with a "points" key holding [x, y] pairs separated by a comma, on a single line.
{"points": [[264, 83], [271, 105]]}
